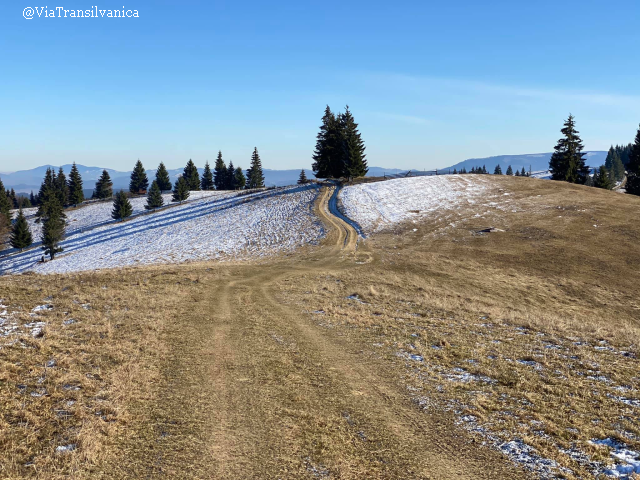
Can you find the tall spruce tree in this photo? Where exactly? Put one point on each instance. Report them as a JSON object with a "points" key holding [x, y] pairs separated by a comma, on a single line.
{"points": [[14, 198], [180, 190], [497, 170], [567, 162], [121, 207], [32, 199], [220, 173], [53, 228], [509, 170], [162, 178], [302, 179], [62, 188], [104, 187], [5, 205], [601, 178], [329, 152], [139, 181], [48, 192], [191, 175], [207, 178], [154, 197], [633, 167], [255, 177], [354, 158], [76, 195], [523, 172], [240, 179], [20, 233]]}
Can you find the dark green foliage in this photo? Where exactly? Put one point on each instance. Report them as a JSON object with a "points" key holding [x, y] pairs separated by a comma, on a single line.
{"points": [[53, 227], [497, 170], [32, 199], [509, 170], [13, 199], [191, 176], [121, 207], [162, 177], [255, 177], [484, 169], [354, 158], [517, 174], [207, 178], [633, 167], [614, 165], [154, 198], [601, 179], [220, 173], [104, 187], [463, 170], [455, 171], [240, 179], [139, 181], [180, 190], [302, 179], [567, 162], [523, 172], [589, 181], [62, 188], [20, 234], [49, 192], [76, 195], [230, 184]]}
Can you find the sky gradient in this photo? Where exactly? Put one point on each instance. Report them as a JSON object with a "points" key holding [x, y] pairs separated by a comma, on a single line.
{"points": [[430, 83]]}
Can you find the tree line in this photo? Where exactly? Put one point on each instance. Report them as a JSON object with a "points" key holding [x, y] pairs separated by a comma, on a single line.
{"points": [[57, 192]]}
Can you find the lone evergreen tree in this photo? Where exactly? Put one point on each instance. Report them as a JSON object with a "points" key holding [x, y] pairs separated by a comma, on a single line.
{"points": [[240, 179], [302, 179], [121, 207], [162, 178], [633, 167], [180, 190], [328, 155], [509, 170], [191, 175], [255, 177], [139, 181], [207, 178], [567, 162], [220, 173], [76, 195], [517, 174], [53, 228], [104, 186], [20, 234], [354, 159], [231, 177], [601, 179], [497, 170], [154, 198]]}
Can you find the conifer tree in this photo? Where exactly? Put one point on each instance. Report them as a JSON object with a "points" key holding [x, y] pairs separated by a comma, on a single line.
{"points": [[104, 186], [180, 190], [484, 169], [523, 172], [121, 207], [48, 192], [497, 170], [509, 170], [162, 178], [240, 179], [302, 179], [14, 198], [231, 177], [567, 162], [633, 167], [32, 199], [191, 175], [139, 181], [20, 233], [53, 228], [5, 206], [154, 197], [517, 174], [455, 171], [207, 178], [589, 181], [355, 163], [76, 195], [601, 179], [255, 177], [220, 173], [62, 188], [328, 155]]}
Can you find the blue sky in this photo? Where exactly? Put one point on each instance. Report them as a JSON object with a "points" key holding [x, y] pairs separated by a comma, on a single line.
{"points": [[431, 83]]}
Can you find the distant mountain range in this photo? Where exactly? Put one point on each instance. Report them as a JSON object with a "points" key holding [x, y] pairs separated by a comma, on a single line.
{"points": [[25, 181]]}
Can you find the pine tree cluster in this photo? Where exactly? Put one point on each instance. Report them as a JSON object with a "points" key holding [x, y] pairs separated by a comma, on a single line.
{"points": [[339, 148]]}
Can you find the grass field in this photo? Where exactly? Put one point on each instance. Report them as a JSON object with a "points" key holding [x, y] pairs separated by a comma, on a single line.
{"points": [[430, 350]]}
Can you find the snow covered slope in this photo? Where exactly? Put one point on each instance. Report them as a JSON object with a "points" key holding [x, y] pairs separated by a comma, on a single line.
{"points": [[216, 225], [378, 205]]}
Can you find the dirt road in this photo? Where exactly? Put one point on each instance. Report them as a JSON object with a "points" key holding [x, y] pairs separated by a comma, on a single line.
{"points": [[253, 388]]}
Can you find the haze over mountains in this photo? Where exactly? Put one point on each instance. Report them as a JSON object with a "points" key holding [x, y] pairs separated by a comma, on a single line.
{"points": [[24, 181]]}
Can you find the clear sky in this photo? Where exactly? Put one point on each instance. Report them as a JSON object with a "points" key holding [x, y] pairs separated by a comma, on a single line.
{"points": [[430, 83]]}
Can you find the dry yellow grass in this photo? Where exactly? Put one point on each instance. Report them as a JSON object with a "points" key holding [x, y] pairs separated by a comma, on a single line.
{"points": [[225, 371]]}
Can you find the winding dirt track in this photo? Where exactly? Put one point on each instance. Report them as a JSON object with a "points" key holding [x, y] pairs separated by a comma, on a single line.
{"points": [[253, 388]]}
